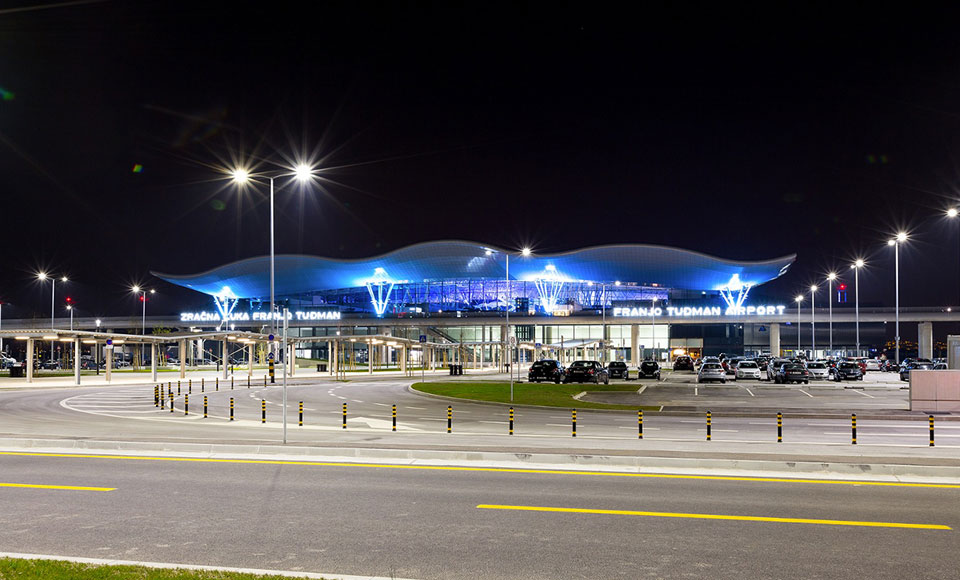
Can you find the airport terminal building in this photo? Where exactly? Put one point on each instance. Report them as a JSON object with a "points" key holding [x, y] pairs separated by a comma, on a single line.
{"points": [[626, 302]]}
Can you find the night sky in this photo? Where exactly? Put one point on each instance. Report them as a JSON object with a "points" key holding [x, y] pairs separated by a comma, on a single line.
{"points": [[742, 134]]}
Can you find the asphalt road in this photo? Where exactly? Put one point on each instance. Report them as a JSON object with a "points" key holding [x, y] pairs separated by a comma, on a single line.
{"points": [[128, 412], [425, 523]]}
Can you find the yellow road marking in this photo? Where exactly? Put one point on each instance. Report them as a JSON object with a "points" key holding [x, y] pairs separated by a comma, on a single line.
{"points": [[483, 469], [63, 487], [529, 508]]}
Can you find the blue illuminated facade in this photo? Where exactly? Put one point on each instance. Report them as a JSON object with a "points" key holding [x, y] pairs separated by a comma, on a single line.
{"points": [[450, 276]]}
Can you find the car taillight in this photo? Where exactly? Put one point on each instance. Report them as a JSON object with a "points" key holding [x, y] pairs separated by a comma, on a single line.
{"points": [[590, 372]]}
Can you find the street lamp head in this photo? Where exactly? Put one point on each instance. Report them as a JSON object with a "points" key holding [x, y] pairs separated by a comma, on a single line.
{"points": [[859, 263], [69, 307], [153, 291], [42, 276], [952, 212], [525, 251], [135, 289], [813, 288], [98, 323], [891, 242], [902, 237], [240, 175], [799, 298], [63, 279], [832, 276], [303, 172]]}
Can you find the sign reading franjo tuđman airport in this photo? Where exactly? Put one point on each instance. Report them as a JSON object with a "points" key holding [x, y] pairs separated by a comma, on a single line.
{"points": [[204, 316], [694, 311]]}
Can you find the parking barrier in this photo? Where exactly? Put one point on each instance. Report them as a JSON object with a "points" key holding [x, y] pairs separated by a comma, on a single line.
{"points": [[204, 406], [301, 413], [190, 385], [394, 413], [178, 388], [264, 380], [344, 415], [931, 430], [231, 408], [449, 419], [853, 426], [639, 423], [272, 370], [186, 404], [779, 427], [217, 384], [163, 400], [231, 383], [156, 396], [573, 419], [263, 411], [709, 425], [203, 384], [171, 402], [511, 420], [248, 381]]}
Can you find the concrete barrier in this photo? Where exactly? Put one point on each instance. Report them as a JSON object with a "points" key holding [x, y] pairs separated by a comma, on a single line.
{"points": [[935, 391]]}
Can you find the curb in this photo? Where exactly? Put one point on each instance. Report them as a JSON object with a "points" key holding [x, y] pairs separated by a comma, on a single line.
{"points": [[820, 470]]}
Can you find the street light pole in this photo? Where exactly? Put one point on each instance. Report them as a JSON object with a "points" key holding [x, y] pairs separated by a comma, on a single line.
{"points": [[813, 321], [285, 358], [856, 293], [653, 329], [895, 242], [830, 278], [799, 300], [508, 348]]}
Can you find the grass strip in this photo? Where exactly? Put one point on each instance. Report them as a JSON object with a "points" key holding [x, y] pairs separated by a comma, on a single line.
{"points": [[539, 394], [17, 569]]}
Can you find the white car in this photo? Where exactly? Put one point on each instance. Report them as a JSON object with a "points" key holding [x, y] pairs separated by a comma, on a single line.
{"points": [[872, 364], [818, 371], [6, 361], [748, 369]]}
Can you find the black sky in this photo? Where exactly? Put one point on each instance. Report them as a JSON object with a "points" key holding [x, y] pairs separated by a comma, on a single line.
{"points": [[743, 134]]}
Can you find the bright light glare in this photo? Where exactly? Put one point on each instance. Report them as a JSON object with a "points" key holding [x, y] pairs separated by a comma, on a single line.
{"points": [[135, 289], [952, 212], [303, 172], [42, 276], [813, 288], [858, 264], [902, 237], [832, 276], [488, 252], [891, 242], [240, 175], [64, 279], [799, 298], [153, 291], [525, 251]]}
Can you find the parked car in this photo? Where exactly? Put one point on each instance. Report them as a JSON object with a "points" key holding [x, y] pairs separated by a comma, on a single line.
{"points": [[920, 364], [618, 370], [50, 365], [6, 361], [748, 369], [791, 373], [872, 364], [773, 366], [545, 370], [711, 371], [939, 366], [683, 363], [819, 370], [583, 371], [846, 371], [649, 368], [89, 365], [731, 367]]}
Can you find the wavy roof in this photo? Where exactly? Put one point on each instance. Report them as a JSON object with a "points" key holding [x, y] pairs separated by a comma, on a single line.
{"points": [[460, 260]]}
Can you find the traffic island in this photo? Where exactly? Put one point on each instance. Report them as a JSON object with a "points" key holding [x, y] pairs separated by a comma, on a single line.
{"points": [[532, 394]]}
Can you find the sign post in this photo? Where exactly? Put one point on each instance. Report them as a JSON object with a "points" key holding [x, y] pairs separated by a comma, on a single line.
{"points": [[423, 356]]}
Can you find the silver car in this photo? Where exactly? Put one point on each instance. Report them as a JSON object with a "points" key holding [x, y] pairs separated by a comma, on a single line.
{"points": [[819, 371], [748, 369], [711, 371]]}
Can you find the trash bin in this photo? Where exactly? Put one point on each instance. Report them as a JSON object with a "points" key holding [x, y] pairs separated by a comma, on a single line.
{"points": [[17, 371], [453, 369], [459, 369], [321, 367]]}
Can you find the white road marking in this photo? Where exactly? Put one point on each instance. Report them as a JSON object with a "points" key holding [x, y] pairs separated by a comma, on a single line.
{"points": [[416, 408], [864, 394], [749, 391], [805, 393]]}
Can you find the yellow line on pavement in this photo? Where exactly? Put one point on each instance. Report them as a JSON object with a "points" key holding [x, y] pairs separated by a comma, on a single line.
{"points": [[530, 508], [483, 469], [62, 487]]}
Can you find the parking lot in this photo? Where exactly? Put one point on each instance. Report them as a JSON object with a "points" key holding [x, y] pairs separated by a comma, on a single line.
{"points": [[679, 391]]}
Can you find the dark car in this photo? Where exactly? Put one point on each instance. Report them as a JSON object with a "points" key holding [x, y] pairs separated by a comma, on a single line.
{"points": [[649, 368], [846, 371], [920, 364], [586, 371], [618, 370], [792, 373], [683, 363], [545, 370], [50, 365], [773, 366]]}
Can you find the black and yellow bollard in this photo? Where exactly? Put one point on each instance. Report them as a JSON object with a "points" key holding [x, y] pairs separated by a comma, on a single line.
{"points": [[344, 415], [639, 423], [511, 421], [171, 402], [394, 414], [217, 384], [853, 427], [449, 419], [709, 426], [272, 370], [231, 383], [178, 388], [186, 404], [190, 386], [931, 430], [779, 427], [264, 380], [203, 384], [163, 400], [248, 381], [231, 408], [573, 418], [301, 413], [156, 396], [204, 406], [263, 411]]}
